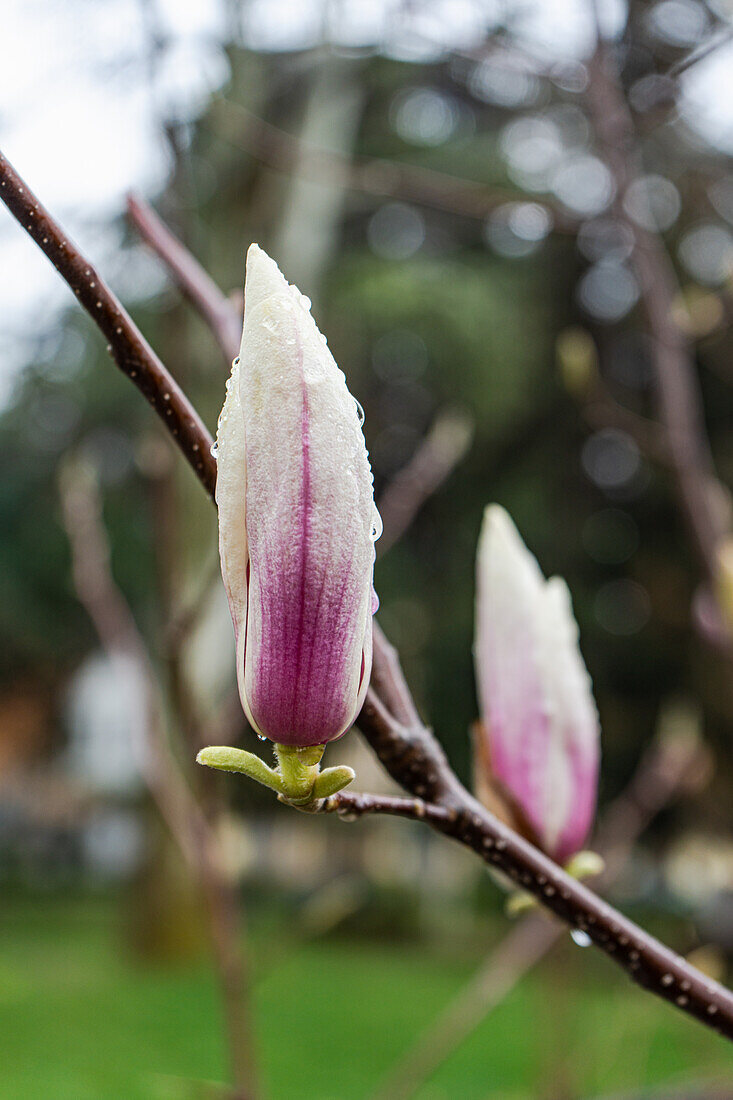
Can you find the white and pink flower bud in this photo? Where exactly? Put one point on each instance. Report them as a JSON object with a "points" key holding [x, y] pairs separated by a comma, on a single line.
{"points": [[297, 521], [539, 722]]}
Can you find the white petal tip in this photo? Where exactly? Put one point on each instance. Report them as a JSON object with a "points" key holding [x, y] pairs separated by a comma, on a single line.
{"points": [[264, 278], [498, 522], [501, 543]]}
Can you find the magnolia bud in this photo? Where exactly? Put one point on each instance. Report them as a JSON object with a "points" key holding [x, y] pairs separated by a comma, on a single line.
{"points": [[297, 521], [538, 718]]}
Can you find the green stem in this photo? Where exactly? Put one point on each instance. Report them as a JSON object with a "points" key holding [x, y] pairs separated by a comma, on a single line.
{"points": [[297, 779], [299, 768]]}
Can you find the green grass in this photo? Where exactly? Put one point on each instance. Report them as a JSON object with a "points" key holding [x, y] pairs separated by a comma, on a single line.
{"points": [[80, 1020]]}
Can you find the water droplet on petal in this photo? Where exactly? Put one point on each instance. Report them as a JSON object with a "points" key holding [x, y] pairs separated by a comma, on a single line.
{"points": [[375, 601], [377, 525], [215, 448], [261, 737], [359, 411], [582, 939]]}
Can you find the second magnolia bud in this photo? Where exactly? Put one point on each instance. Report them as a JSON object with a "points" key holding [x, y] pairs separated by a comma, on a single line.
{"points": [[539, 726]]}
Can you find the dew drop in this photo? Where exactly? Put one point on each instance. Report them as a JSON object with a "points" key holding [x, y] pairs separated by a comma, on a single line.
{"points": [[377, 525], [261, 737], [359, 411], [582, 939], [215, 448], [375, 601]]}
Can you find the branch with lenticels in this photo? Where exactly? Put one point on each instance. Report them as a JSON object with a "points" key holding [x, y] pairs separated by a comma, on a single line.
{"points": [[389, 719], [127, 346], [673, 763]]}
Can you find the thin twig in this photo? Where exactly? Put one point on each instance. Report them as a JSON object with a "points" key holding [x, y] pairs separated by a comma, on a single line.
{"points": [[413, 756], [190, 277], [442, 448], [677, 386], [118, 632], [220, 313], [600, 409], [391, 179]]}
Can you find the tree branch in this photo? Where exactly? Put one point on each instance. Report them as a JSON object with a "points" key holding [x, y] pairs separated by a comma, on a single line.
{"points": [[677, 387], [645, 960], [391, 179], [195, 283], [442, 448], [662, 771], [128, 347], [119, 635], [408, 749]]}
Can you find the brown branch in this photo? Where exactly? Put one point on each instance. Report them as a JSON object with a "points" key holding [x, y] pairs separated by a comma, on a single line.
{"points": [[128, 347], [388, 682], [184, 618], [646, 961], [415, 759], [677, 386], [601, 410], [442, 448], [663, 771], [119, 635], [387, 179], [190, 277]]}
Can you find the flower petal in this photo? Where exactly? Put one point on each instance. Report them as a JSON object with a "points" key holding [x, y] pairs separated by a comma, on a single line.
{"points": [[230, 501], [572, 776], [534, 692], [309, 520], [510, 685]]}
